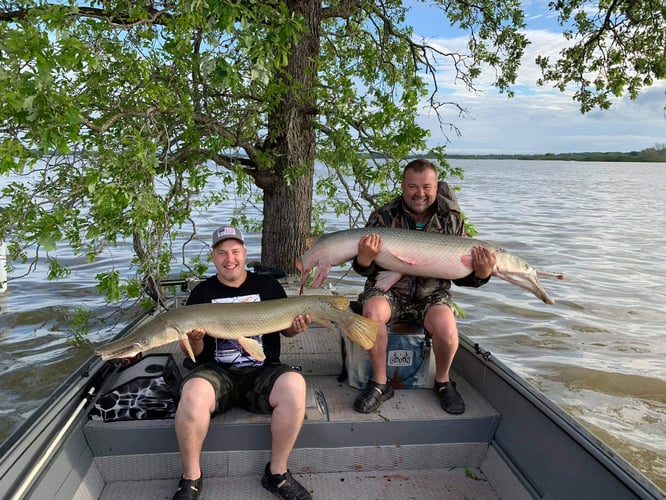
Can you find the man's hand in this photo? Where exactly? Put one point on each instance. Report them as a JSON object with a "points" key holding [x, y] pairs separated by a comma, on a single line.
{"points": [[196, 334], [299, 325], [369, 247], [483, 261]]}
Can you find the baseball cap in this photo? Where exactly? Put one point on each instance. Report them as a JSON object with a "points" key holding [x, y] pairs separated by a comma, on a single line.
{"points": [[225, 233]]}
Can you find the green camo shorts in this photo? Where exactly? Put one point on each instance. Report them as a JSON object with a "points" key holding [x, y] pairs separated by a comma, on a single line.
{"points": [[248, 386], [402, 310]]}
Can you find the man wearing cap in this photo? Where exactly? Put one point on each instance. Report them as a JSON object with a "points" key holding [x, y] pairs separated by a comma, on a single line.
{"points": [[225, 375]]}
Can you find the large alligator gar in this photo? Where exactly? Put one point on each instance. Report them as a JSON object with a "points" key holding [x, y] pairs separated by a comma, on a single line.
{"points": [[417, 253], [238, 321]]}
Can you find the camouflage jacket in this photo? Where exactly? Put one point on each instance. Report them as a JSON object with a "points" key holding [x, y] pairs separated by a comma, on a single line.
{"points": [[446, 219]]}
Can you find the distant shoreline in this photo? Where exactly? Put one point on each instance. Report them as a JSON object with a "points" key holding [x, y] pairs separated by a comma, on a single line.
{"points": [[651, 155]]}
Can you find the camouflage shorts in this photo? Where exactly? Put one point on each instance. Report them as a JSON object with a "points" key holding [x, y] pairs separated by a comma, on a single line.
{"points": [[248, 387], [402, 310]]}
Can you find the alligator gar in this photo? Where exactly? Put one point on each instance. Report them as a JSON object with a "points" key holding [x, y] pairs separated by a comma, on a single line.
{"points": [[417, 253], [239, 321]]}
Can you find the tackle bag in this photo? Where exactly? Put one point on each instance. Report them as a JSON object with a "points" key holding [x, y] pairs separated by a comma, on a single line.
{"points": [[146, 390]]}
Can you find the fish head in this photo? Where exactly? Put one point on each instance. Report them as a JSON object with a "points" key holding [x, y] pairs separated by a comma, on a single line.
{"points": [[299, 268], [305, 264], [153, 334], [304, 269], [122, 349], [515, 270], [314, 257]]}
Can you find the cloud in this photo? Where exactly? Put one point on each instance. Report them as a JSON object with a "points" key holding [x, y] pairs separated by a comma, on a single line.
{"points": [[538, 119]]}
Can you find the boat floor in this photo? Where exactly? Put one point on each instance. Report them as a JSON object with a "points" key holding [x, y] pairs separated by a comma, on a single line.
{"points": [[409, 449], [377, 485]]}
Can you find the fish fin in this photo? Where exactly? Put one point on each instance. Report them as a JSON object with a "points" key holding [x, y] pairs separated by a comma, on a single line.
{"points": [[404, 260], [386, 279], [185, 342], [549, 274], [338, 302], [253, 348], [467, 261], [359, 329], [329, 325], [320, 275]]}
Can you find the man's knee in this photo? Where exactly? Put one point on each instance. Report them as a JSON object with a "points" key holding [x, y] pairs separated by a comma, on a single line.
{"points": [[197, 393], [441, 322], [289, 387], [377, 309]]}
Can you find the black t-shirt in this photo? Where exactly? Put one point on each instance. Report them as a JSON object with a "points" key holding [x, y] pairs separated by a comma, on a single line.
{"points": [[256, 287]]}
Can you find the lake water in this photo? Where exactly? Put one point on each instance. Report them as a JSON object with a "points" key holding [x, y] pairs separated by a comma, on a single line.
{"points": [[598, 352]]}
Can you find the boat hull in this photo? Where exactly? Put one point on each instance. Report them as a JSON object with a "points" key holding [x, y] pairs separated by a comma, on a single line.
{"points": [[511, 436]]}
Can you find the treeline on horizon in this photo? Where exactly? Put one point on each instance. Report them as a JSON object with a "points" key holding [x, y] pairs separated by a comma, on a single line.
{"points": [[657, 154], [649, 155]]}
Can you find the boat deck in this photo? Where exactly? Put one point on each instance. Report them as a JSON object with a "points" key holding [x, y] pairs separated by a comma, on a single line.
{"points": [[409, 449]]}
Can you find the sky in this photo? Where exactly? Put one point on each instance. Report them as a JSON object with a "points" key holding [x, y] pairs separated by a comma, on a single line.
{"points": [[536, 119]]}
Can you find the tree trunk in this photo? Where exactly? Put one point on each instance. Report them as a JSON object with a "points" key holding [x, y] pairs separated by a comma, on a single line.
{"points": [[287, 214], [291, 139]]}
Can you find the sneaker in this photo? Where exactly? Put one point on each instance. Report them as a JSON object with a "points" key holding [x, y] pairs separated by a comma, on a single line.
{"points": [[284, 486], [188, 489], [372, 396], [449, 397]]}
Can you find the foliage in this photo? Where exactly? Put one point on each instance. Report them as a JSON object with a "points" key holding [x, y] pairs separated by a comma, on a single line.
{"points": [[79, 324], [121, 120], [105, 129], [617, 47]]}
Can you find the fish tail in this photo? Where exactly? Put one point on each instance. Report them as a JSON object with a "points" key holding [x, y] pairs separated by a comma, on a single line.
{"points": [[359, 329], [253, 348]]}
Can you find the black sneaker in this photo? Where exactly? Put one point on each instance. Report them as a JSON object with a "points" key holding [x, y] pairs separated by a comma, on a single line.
{"points": [[188, 489], [284, 486]]}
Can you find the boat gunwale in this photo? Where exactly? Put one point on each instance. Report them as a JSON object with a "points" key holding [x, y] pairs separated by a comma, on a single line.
{"points": [[37, 433], [624, 471]]}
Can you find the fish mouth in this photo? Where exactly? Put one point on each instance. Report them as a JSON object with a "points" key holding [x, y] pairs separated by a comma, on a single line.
{"points": [[528, 281], [118, 352], [304, 275]]}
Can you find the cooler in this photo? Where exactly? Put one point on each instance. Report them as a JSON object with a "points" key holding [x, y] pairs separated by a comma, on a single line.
{"points": [[410, 362]]}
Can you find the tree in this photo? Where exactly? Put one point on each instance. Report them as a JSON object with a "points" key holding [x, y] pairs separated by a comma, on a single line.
{"points": [[614, 50], [116, 114]]}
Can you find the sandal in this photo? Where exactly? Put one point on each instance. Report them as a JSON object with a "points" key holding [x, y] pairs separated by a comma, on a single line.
{"points": [[189, 489], [284, 485], [372, 396], [449, 397]]}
